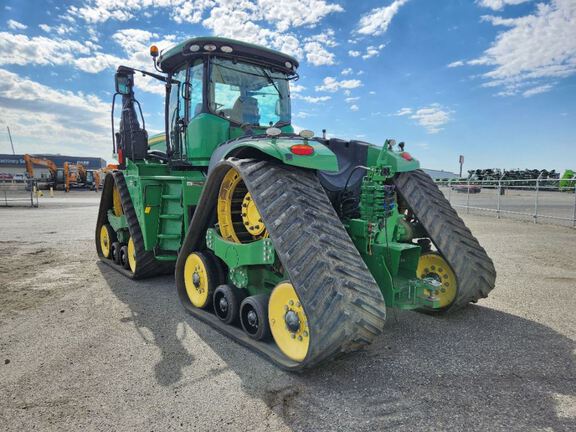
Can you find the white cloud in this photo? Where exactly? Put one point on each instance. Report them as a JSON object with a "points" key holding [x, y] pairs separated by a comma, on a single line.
{"points": [[537, 90], [15, 25], [353, 53], [499, 4], [61, 29], [43, 119], [86, 56], [404, 111], [534, 49], [21, 50], [296, 88], [372, 51], [332, 85], [317, 54], [354, 108], [97, 63], [431, 118], [264, 22], [347, 71], [457, 63], [376, 22], [312, 99], [295, 13], [352, 99]]}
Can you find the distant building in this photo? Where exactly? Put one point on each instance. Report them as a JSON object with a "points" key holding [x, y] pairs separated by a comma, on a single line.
{"points": [[440, 175], [14, 164]]}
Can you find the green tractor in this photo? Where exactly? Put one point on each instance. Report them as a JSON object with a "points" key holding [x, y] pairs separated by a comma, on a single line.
{"points": [[293, 245]]}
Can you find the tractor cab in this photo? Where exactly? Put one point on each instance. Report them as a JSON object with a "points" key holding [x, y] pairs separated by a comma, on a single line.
{"points": [[216, 90]]}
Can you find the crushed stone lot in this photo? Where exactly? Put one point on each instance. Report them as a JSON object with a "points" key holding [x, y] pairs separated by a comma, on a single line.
{"points": [[83, 348]]}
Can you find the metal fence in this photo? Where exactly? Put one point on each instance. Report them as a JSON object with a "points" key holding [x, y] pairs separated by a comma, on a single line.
{"points": [[539, 200], [19, 193]]}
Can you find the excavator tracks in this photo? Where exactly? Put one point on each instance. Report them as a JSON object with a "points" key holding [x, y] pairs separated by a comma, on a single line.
{"points": [[473, 268], [146, 264], [343, 303]]}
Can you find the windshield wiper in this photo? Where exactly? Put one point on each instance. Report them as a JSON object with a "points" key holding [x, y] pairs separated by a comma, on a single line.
{"points": [[271, 81]]}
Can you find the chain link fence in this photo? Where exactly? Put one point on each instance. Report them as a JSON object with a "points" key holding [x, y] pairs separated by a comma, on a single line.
{"points": [[538, 200]]}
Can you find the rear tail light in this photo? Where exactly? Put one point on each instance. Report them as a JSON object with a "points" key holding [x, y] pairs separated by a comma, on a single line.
{"points": [[406, 156], [302, 149]]}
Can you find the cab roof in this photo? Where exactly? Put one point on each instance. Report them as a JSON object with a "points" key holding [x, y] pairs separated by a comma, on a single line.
{"points": [[213, 46]]}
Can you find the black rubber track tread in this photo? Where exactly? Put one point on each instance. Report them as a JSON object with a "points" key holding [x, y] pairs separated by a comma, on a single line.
{"points": [[474, 270], [146, 264], [343, 303]]}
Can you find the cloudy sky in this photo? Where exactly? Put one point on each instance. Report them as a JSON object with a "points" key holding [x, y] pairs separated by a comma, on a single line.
{"points": [[494, 80]]}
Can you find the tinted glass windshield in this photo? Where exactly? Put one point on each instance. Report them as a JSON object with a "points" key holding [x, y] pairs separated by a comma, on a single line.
{"points": [[246, 93]]}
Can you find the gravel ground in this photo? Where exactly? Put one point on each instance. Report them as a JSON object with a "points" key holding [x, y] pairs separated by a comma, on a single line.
{"points": [[82, 348]]}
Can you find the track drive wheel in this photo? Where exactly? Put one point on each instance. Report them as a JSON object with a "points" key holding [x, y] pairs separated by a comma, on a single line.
{"points": [[288, 322], [238, 217], [433, 265], [107, 237], [200, 278], [117, 202], [227, 300], [254, 316]]}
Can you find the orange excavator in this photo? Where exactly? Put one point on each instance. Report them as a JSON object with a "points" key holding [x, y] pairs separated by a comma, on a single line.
{"points": [[74, 175], [30, 161]]}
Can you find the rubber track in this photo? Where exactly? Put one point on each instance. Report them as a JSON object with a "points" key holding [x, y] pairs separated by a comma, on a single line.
{"points": [[344, 305], [474, 270], [147, 266]]}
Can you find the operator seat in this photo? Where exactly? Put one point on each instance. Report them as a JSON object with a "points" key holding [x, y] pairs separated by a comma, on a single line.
{"points": [[245, 110], [349, 155]]}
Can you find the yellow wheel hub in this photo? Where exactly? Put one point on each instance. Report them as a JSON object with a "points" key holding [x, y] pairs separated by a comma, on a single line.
{"points": [[433, 265], [105, 242], [238, 218], [116, 202], [288, 322], [251, 216], [196, 280], [131, 255]]}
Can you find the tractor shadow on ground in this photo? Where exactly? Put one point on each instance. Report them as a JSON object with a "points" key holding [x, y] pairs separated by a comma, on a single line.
{"points": [[157, 319], [478, 369]]}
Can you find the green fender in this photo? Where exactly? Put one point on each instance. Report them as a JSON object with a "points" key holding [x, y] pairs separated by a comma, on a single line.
{"points": [[322, 159]]}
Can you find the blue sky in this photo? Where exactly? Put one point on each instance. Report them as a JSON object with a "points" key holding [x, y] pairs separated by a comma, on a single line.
{"points": [[494, 80]]}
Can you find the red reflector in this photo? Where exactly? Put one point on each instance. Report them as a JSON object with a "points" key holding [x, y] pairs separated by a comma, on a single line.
{"points": [[302, 149], [120, 156], [406, 156]]}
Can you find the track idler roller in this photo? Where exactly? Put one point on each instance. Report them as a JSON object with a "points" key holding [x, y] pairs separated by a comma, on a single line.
{"points": [[288, 322], [107, 237], [227, 300], [131, 255], [254, 317], [201, 277], [433, 266]]}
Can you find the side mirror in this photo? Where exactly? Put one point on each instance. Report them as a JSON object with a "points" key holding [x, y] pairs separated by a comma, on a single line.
{"points": [[124, 83]]}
